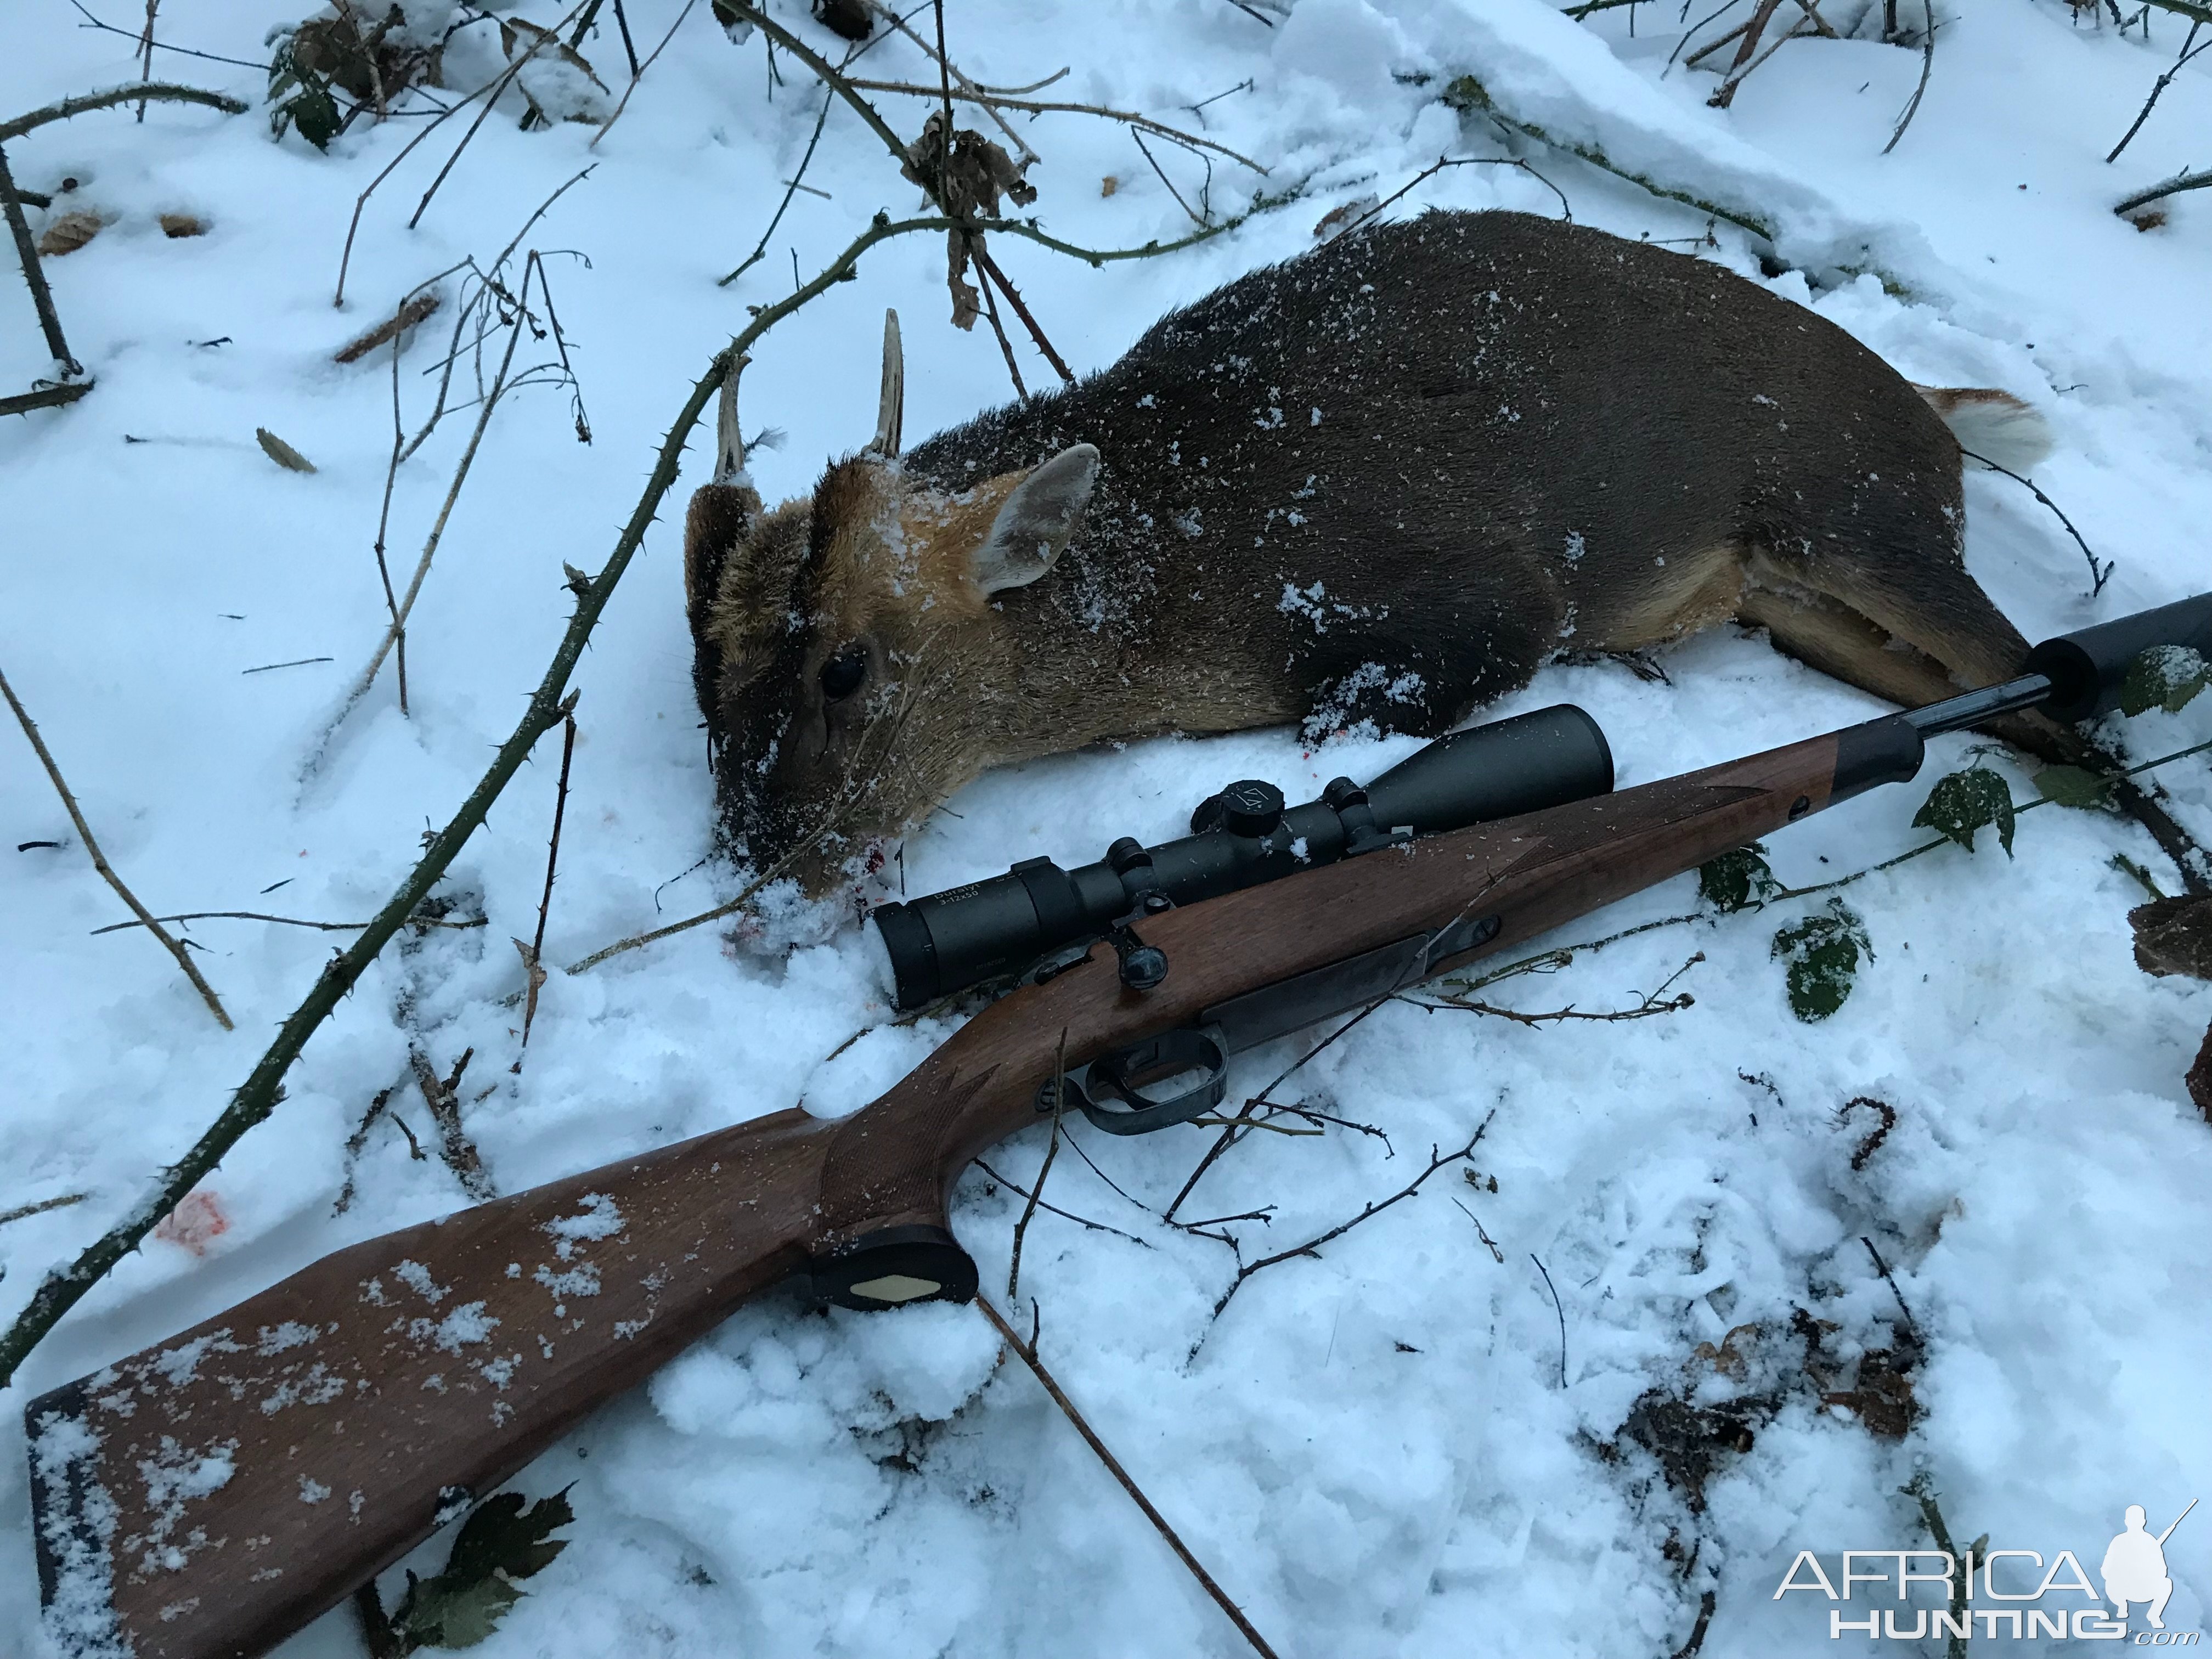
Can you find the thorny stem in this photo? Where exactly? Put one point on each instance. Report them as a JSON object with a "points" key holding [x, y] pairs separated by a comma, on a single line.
{"points": [[158, 92], [42, 297], [1028, 1355], [106, 871], [2188, 50], [2172, 186], [994, 101]]}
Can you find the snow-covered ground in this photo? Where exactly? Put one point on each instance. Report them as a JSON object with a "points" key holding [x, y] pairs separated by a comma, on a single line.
{"points": [[1403, 1447]]}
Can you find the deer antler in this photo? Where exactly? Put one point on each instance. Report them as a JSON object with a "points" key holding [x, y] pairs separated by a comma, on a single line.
{"points": [[890, 409]]}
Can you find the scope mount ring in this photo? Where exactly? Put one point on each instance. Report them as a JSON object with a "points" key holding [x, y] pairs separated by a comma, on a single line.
{"points": [[1114, 1077]]}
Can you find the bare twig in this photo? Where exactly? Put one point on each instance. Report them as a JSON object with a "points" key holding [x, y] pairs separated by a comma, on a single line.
{"points": [[1653, 1003], [1557, 1310], [828, 97], [288, 922], [534, 957], [1005, 346], [1312, 1246], [2172, 186], [538, 44], [995, 102], [2098, 576], [1028, 1355], [1753, 27], [1196, 217], [1083, 1221], [1912, 1325], [100, 860], [443, 1097], [948, 73], [1927, 67], [638, 69], [990, 268], [2188, 50], [21, 1211], [1052, 1147], [146, 53], [158, 92], [42, 297], [92, 22]]}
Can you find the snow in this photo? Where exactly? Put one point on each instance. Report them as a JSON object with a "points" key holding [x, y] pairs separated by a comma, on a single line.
{"points": [[1373, 1449]]}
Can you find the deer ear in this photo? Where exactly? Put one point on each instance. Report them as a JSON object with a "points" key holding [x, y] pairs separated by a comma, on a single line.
{"points": [[1033, 527]]}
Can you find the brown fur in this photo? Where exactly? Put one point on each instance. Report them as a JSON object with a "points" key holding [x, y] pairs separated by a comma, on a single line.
{"points": [[1383, 481]]}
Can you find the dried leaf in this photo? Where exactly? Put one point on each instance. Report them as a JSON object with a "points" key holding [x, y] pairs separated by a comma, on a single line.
{"points": [[2166, 676], [1822, 952], [1737, 880], [1338, 220], [1108, 185], [2174, 936], [178, 225], [1963, 802], [68, 233], [421, 306], [519, 34], [281, 453]]}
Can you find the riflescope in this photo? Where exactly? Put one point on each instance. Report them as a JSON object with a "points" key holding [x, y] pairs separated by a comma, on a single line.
{"points": [[1240, 837]]}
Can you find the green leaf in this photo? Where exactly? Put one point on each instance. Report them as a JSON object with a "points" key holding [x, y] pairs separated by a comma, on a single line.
{"points": [[1822, 952], [497, 1545], [1963, 802], [315, 114], [1737, 880], [2074, 786], [2165, 677]]}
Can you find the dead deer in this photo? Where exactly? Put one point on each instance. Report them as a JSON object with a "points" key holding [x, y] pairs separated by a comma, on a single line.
{"points": [[1380, 481]]}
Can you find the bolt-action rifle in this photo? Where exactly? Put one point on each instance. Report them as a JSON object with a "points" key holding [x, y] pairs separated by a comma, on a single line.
{"points": [[203, 1499]]}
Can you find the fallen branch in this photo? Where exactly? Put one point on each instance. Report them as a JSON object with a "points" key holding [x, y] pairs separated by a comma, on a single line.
{"points": [[1028, 1356], [46, 397], [100, 860], [158, 92], [2173, 186]]}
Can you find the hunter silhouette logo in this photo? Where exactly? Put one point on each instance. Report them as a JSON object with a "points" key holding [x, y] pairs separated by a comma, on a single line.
{"points": [[2134, 1566], [1986, 1602]]}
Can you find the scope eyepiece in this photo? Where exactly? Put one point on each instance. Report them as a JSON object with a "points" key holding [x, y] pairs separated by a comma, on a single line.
{"points": [[1241, 836]]}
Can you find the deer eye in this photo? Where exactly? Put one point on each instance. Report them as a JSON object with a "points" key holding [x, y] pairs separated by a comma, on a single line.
{"points": [[842, 674]]}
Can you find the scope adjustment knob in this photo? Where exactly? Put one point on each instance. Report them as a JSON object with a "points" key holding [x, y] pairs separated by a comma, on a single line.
{"points": [[1252, 807]]}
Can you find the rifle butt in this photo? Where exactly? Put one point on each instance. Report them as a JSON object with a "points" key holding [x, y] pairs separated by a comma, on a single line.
{"points": [[203, 1499]]}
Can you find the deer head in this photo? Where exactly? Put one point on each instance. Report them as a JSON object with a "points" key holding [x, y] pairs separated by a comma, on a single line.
{"points": [[852, 659]]}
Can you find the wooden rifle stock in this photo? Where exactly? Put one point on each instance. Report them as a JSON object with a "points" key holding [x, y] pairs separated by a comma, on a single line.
{"points": [[203, 1499]]}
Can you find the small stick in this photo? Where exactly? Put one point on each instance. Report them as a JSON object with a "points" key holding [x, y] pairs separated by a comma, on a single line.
{"points": [[990, 266], [2188, 50], [146, 54], [629, 51], [1927, 67], [92, 22], [288, 921], [1051, 1152], [537, 952], [1912, 1325], [42, 297], [2097, 577], [46, 397], [1312, 1246], [67, 1199], [1083, 1221], [1154, 161], [1557, 1310], [459, 1152], [828, 97], [1006, 348], [994, 101], [638, 69], [100, 860], [1028, 1356], [2173, 186], [1029, 156]]}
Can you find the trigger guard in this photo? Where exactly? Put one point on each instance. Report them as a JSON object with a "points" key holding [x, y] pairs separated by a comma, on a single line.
{"points": [[1141, 1113]]}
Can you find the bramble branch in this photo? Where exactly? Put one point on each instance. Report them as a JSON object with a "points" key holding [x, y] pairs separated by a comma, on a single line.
{"points": [[158, 92]]}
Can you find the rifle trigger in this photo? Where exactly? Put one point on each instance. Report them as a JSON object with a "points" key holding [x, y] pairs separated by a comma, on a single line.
{"points": [[1133, 1074]]}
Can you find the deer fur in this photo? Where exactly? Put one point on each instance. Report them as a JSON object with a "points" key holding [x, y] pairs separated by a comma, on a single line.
{"points": [[1383, 481]]}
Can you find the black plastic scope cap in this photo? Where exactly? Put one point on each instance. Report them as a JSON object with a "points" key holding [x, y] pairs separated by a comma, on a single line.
{"points": [[2087, 669], [948, 941]]}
